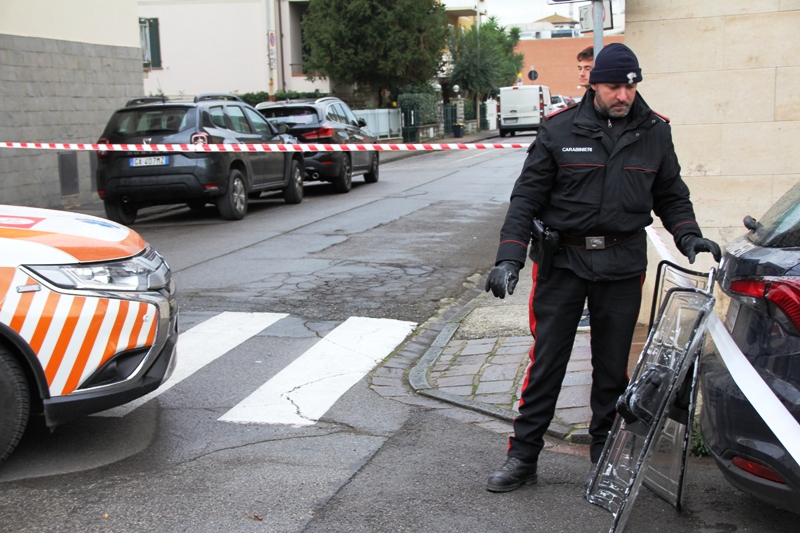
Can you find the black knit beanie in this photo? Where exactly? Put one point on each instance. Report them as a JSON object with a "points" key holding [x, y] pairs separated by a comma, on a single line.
{"points": [[616, 63]]}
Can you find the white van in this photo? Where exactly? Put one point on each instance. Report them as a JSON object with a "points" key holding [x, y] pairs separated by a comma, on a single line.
{"points": [[523, 108]]}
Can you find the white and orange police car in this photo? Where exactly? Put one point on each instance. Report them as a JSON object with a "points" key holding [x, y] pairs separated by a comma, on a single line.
{"points": [[88, 317]]}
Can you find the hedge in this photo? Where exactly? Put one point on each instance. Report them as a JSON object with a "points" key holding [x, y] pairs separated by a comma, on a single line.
{"points": [[263, 96], [425, 104]]}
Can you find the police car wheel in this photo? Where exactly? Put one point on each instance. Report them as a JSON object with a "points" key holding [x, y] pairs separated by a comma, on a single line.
{"points": [[14, 403]]}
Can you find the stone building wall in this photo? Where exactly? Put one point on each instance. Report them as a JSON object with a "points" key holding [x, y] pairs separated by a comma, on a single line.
{"points": [[726, 74], [58, 91]]}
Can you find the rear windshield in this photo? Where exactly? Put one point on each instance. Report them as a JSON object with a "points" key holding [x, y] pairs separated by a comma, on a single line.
{"points": [[149, 121], [290, 115], [780, 226]]}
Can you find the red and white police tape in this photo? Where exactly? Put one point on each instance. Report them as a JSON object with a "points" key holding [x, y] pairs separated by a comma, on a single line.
{"points": [[752, 385], [757, 392], [415, 147]]}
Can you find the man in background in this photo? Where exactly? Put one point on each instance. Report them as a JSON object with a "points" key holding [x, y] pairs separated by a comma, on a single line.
{"points": [[585, 65]]}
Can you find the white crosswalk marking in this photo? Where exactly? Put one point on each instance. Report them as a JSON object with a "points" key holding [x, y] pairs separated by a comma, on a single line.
{"points": [[302, 392], [202, 345]]}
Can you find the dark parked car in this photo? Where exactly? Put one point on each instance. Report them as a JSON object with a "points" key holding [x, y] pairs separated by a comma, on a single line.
{"points": [[325, 121], [129, 181], [760, 271]]}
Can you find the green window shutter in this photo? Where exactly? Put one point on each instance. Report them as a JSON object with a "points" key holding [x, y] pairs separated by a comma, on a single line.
{"points": [[155, 44]]}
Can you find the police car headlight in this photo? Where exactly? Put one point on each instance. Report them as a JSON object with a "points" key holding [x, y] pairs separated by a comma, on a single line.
{"points": [[147, 271]]}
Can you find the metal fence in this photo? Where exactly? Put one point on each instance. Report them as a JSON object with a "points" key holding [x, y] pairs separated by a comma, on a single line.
{"points": [[381, 122]]}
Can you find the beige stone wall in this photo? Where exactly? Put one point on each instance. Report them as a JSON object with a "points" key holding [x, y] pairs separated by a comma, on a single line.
{"points": [[728, 76]]}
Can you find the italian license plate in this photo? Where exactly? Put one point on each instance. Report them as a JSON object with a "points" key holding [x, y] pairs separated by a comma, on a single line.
{"points": [[152, 161], [510, 121]]}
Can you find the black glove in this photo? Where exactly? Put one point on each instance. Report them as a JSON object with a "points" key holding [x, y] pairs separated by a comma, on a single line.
{"points": [[504, 274], [692, 244]]}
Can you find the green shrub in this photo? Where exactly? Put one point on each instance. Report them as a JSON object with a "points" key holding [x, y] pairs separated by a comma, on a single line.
{"points": [[255, 98], [263, 96], [425, 104], [469, 110]]}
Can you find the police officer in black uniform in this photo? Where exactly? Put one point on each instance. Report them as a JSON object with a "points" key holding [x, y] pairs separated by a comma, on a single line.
{"points": [[592, 177]]}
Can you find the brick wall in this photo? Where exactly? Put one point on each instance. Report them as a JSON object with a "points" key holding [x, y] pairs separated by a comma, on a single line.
{"points": [[58, 91], [554, 60]]}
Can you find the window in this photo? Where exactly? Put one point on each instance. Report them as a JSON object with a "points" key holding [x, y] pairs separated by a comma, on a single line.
{"points": [[240, 124], [336, 114], [261, 126], [217, 116], [294, 115], [350, 118], [136, 122], [150, 42]]}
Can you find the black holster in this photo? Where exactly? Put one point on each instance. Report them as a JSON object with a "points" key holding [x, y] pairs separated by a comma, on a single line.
{"points": [[546, 242]]}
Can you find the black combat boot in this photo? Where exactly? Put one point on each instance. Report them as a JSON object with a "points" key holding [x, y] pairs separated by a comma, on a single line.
{"points": [[512, 475]]}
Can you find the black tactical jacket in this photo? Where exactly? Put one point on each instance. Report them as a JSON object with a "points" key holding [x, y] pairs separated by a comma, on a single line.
{"points": [[581, 184]]}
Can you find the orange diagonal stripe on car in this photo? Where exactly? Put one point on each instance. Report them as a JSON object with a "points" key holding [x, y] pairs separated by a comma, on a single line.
{"points": [[133, 340], [44, 322], [22, 308], [151, 335], [86, 347], [63, 339], [116, 330]]}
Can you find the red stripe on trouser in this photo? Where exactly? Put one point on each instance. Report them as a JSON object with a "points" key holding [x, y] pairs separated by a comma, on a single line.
{"points": [[531, 316], [532, 324]]}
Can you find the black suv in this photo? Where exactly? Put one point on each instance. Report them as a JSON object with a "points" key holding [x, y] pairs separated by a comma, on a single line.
{"points": [[326, 121], [128, 181]]}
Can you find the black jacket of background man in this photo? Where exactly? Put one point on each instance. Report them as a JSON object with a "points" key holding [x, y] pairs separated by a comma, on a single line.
{"points": [[577, 181]]}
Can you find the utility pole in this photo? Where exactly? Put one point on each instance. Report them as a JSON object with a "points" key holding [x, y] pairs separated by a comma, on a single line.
{"points": [[597, 16]]}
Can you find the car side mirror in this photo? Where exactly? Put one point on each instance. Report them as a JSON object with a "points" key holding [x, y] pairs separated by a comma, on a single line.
{"points": [[362, 123], [750, 223], [282, 128]]}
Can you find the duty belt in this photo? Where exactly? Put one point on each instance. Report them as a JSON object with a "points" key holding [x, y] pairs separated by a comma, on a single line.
{"points": [[596, 242]]}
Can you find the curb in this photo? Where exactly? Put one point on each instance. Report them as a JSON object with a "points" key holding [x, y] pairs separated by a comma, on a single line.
{"points": [[447, 325]]}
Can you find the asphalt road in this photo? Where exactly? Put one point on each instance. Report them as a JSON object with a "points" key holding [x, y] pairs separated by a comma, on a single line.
{"points": [[402, 249]]}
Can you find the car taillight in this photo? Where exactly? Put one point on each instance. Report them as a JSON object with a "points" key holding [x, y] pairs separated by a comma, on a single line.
{"points": [[322, 133], [783, 292], [200, 138], [757, 469], [102, 154], [749, 287]]}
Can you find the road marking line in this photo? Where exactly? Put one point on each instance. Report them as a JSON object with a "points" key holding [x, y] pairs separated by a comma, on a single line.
{"points": [[202, 345], [303, 391]]}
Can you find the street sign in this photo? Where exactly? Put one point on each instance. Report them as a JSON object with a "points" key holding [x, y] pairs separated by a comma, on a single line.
{"points": [[587, 19], [532, 75]]}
